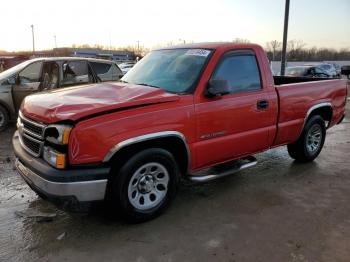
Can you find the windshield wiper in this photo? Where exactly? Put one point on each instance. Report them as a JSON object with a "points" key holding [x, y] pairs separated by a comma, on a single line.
{"points": [[123, 81], [144, 84]]}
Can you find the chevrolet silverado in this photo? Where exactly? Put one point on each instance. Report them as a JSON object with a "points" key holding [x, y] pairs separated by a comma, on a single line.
{"points": [[198, 111]]}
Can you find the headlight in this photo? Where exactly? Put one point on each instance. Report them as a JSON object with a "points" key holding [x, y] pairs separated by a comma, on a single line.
{"points": [[54, 158], [58, 134]]}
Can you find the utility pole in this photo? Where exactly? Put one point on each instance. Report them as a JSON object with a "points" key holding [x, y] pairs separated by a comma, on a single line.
{"points": [[55, 38], [285, 38], [110, 42], [32, 26], [138, 47]]}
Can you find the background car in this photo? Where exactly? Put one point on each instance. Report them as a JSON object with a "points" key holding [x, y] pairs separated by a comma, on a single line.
{"points": [[126, 66], [330, 69], [42, 74], [306, 71], [337, 68]]}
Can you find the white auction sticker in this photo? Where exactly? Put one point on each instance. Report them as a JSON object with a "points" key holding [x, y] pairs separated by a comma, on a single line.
{"points": [[198, 52]]}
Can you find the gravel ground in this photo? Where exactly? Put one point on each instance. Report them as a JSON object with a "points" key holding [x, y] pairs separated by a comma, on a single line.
{"points": [[276, 211]]}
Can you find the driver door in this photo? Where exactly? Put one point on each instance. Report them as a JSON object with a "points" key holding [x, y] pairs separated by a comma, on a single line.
{"points": [[27, 82]]}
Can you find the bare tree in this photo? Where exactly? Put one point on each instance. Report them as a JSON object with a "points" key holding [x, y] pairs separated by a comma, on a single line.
{"points": [[296, 49], [241, 41], [273, 46]]}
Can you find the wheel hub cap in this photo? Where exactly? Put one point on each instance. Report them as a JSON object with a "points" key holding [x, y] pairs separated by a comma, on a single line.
{"points": [[314, 138], [148, 186]]}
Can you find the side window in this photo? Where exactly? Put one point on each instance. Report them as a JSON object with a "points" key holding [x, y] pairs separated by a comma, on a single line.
{"points": [[31, 74], [50, 76], [102, 70], [241, 72], [76, 72], [116, 72]]}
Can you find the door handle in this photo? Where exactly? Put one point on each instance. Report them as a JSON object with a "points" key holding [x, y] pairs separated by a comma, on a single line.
{"points": [[262, 104]]}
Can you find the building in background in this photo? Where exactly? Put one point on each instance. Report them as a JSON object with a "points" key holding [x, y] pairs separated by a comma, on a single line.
{"points": [[114, 55], [7, 61]]}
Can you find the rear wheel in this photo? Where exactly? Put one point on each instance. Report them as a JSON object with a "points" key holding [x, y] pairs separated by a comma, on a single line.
{"points": [[4, 118], [145, 185], [310, 142]]}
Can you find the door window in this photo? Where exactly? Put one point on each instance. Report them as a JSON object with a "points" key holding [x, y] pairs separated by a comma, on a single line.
{"points": [[241, 72], [76, 72], [100, 68], [30, 74], [50, 76], [106, 72], [116, 72]]}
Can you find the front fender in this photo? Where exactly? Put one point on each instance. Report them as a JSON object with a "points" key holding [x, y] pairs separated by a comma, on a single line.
{"points": [[95, 140]]}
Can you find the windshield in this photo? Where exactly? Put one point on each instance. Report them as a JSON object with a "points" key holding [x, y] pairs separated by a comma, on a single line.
{"points": [[13, 70], [173, 70]]}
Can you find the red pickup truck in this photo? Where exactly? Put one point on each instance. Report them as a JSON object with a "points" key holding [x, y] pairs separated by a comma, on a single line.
{"points": [[198, 111]]}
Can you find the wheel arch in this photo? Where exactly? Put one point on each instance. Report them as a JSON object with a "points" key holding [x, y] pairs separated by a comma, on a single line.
{"points": [[8, 110], [172, 141], [325, 110]]}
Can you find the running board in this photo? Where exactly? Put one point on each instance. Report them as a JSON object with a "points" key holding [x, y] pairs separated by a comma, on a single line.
{"points": [[222, 170]]}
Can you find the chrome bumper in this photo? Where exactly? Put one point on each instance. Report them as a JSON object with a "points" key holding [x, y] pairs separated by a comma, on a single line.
{"points": [[83, 190]]}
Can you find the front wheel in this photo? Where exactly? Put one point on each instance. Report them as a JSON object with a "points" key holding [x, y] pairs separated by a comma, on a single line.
{"points": [[145, 185], [310, 142]]}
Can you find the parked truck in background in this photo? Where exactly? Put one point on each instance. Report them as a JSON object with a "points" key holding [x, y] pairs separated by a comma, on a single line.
{"points": [[197, 111]]}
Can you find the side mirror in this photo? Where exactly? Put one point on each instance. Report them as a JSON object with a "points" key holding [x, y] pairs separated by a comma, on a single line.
{"points": [[217, 87]]}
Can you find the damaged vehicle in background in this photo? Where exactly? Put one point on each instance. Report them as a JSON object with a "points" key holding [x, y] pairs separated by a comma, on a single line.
{"points": [[306, 71], [42, 74]]}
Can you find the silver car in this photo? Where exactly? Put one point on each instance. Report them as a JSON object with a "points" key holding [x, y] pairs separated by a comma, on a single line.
{"points": [[41, 74]]}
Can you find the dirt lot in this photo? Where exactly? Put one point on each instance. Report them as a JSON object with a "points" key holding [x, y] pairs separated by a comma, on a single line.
{"points": [[276, 211]]}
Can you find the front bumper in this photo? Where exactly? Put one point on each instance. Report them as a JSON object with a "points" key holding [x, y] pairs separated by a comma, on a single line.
{"points": [[81, 185]]}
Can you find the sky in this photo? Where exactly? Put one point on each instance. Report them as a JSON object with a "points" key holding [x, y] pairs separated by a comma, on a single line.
{"points": [[119, 23]]}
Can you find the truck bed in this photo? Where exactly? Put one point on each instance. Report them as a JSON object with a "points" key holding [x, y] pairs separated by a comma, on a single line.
{"points": [[295, 99], [283, 80]]}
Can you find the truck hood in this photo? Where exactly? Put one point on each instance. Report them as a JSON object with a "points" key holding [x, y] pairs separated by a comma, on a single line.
{"points": [[79, 102]]}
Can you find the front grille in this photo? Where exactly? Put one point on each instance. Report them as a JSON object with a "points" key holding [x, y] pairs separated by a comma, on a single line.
{"points": [[31, 135], [32, 128], [32, 145]]}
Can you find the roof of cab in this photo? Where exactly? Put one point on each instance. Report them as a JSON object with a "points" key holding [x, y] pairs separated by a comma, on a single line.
{"points": [[212, 45]]}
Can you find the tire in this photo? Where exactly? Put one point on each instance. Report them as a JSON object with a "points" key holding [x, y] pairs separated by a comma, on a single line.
{"points": [[139, 195], [4, 118], [310, 142]]}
